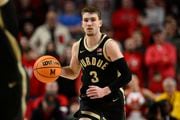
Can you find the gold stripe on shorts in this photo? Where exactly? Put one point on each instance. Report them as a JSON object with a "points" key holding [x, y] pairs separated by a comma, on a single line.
{"points": [[91, 114]]}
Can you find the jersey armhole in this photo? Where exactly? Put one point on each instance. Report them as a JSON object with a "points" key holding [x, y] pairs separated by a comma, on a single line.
{"points": [[105, 51]]}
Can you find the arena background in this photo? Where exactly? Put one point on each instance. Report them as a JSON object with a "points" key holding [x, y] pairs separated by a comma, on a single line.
{"points": [[148, 35]]}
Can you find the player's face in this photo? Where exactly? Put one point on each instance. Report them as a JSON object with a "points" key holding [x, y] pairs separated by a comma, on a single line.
{"points": [[91, 23]]}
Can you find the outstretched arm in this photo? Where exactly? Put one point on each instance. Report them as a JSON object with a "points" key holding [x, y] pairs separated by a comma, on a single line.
{"points": [[72, 71]]}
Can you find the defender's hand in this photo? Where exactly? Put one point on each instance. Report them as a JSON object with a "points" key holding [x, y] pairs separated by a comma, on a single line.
{"points": [[95, 92]]}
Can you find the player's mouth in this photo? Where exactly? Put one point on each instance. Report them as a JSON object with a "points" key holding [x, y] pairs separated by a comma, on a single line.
{"points": [[89, 28]]}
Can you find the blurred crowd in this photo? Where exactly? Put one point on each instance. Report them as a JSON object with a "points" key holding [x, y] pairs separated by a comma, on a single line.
{"points": [[148, 34]]}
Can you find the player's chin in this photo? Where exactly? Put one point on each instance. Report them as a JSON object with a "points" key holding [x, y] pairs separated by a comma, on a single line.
{"points": [[90, 34]]}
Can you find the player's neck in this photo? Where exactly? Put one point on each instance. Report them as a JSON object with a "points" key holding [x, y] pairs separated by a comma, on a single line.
{"points": [[93, 40]]}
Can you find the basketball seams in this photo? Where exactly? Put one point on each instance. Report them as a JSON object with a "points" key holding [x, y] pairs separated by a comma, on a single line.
{"points": [[47, 76], [45, 67]]}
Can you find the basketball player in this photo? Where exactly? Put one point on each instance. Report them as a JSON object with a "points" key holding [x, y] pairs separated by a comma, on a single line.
{"points": [[104, 71], [12, 74]]}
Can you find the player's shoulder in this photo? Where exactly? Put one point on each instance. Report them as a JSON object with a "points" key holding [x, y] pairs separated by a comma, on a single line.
{"points": [[76, 44], [111, 43]]}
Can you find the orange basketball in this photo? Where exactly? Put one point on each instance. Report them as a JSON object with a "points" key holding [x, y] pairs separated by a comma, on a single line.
{"points": [[47, 69]]}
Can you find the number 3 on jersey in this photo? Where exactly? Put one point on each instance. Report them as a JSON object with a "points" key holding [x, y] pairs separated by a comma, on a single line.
{"points": [[94, 78]]}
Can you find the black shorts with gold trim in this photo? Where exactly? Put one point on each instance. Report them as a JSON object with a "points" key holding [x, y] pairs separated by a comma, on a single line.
{"points": [[102, 110]]}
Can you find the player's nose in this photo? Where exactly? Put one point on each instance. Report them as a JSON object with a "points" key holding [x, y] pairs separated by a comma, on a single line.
{"points": [[89, 22]]}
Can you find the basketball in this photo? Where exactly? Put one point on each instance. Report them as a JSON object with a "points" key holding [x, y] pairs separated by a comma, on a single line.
{"points": [[47, 69]]}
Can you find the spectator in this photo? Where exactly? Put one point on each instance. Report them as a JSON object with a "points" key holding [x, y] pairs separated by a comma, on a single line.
{"points": [[50, 31], [160, 59], [51, 105], [26, 12], [159, 111], [124, 20], [71, 18], [134, 59], [154, 14], [135, 100], [36, 88], [173, 36], [106, 8], [68, 87], [138, 38], [27, 30], [143, 29], [51, 50], [171, 95]]}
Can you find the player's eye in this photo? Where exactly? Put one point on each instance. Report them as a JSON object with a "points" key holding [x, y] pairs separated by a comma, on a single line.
{"points": [[85, 20], [89, 19], [93, 19]]}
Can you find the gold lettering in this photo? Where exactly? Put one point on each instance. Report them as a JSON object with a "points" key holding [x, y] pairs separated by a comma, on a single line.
{"points": [[83, 63], [93, 61], [88, 61], [104, 66], [99, 63]]}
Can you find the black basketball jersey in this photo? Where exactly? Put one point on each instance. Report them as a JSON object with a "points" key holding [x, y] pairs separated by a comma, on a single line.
{"points": [[96, 67]]}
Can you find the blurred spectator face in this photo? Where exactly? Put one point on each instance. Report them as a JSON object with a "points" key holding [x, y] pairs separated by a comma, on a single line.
{"points": [[32, 55], [142, 20], [28, 28], [127, 3], [25, 3], [102, 4], [51, 18], [24, 43], [52, 88], [130, 44], [150, 3], [69, 6], [159, 37], [170, 27], [169, 85], [51, 47], [137, 36], [134, 83]]}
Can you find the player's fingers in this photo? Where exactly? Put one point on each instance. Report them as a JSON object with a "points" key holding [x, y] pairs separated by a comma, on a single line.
{"points": [[91, 90], [94, 97], [92, 86], [91, 93]]}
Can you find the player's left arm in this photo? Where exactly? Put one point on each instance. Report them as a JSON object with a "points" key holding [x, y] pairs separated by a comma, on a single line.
{"points": [[115, 55]]}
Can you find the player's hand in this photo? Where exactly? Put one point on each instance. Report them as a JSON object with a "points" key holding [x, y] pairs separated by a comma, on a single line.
{"points": [[95, 92]]}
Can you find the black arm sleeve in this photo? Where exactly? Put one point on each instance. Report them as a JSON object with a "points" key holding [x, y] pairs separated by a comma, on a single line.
{"points": [[124, 78]]}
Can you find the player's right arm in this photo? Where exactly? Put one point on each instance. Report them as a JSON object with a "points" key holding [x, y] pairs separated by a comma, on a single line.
{"points": [[72, 71]]}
